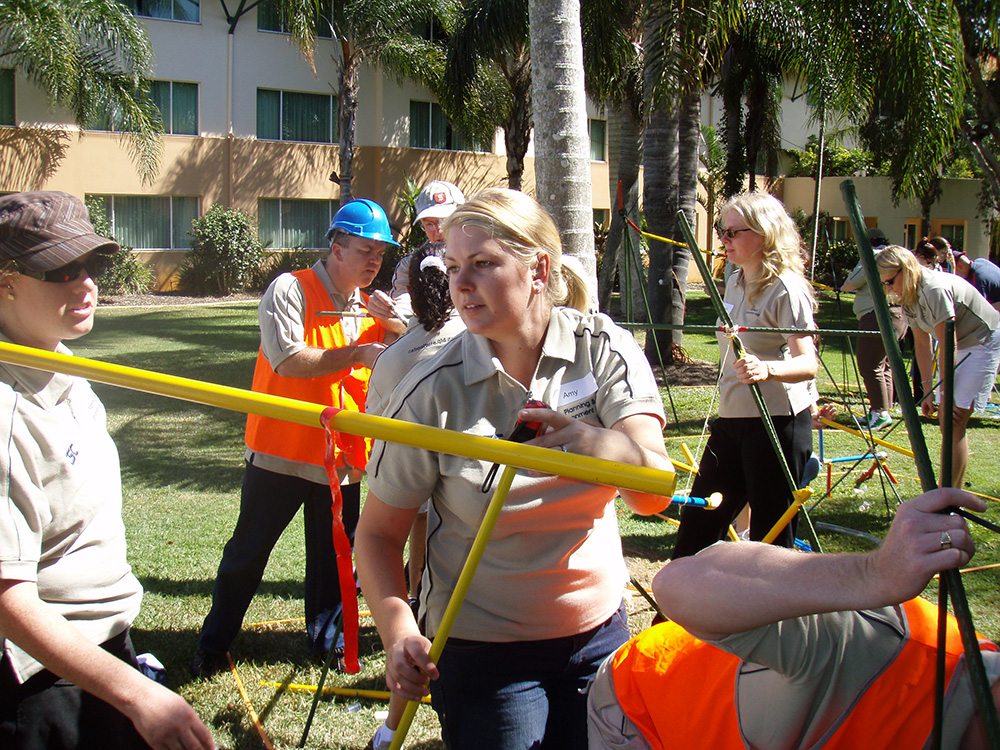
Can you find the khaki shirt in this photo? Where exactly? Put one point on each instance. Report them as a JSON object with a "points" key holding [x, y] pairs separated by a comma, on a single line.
{"points": [[941, 296], [554, 564], [60, 519], [414, 346], [281, 315], [785, 303]]}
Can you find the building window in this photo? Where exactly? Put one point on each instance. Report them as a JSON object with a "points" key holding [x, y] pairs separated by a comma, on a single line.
{"points": [[178, 105], [910, 233], [293, 116], [152, 222], [598, 138], [840, 230], [269, 19], [429, 128], [172, 10], [954, 233], [7, 96], [430, 29], [286, 224]]}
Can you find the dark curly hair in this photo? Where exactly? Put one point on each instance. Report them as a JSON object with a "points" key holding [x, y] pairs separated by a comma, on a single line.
{"points": [[429, 289]]}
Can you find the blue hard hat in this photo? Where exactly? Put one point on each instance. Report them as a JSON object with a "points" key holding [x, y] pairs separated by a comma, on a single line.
{"points": [[362, 218]]}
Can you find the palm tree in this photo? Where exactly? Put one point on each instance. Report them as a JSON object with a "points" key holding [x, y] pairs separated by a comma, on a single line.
{"points": [[562, 145], [489, 51], [91, 57], [681, 43], [373, 31], [613, 73]]}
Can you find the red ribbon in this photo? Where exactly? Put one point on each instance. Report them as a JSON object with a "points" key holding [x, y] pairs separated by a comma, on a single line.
{"points": [[342, 546]]}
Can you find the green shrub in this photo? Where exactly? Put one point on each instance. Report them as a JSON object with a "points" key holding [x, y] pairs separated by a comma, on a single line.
{"points": [[279, 262], [226, 253], [127, 274]]}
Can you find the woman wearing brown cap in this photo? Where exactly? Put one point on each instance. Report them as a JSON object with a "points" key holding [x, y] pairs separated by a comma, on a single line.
{"points": [[68, 674]]}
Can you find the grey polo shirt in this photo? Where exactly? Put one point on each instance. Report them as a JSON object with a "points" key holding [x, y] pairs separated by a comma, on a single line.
{"points": [[554, 565], [941, 296], [281, 315], [60, 519], [784, 303]]}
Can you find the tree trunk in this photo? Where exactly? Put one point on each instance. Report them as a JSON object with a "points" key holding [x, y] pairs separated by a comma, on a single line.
{"points": [[347, 113], [517, 131], [688, 141], [623, 167], [659, 156], [562, 144]]}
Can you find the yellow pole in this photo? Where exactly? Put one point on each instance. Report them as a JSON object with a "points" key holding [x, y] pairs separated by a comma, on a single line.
{"points": [[461, 588], [375, 695], [545, 460], [690, 459], [877, 441], [800, 497]]}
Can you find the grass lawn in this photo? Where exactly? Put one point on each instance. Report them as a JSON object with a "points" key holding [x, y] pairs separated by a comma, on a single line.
{"points": [[182, 466]]}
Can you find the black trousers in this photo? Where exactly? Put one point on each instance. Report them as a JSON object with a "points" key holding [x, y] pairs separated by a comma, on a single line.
{"points": [[740, 463], [49, 713]]}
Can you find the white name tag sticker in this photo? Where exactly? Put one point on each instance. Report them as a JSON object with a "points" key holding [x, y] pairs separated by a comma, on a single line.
{"points": [[577, 390], [729, 307]]}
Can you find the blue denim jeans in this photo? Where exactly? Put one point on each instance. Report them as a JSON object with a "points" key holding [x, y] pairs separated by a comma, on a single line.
{"points": [[268, 503], [524, 694]]}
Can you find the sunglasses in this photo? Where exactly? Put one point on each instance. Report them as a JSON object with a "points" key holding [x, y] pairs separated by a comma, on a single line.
{"points": [[889, 282], [728, 234], [96, 265]]}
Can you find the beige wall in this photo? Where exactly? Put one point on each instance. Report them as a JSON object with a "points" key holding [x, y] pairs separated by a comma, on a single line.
{"points": [[238, 171], [959, 202]]}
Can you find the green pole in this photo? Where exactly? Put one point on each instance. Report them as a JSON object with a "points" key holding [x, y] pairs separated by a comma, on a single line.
{"points": [[951, 578], [921, 458]]}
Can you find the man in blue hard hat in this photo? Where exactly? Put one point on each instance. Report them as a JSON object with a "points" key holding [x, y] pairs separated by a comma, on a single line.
{"points": [[320, 335]]}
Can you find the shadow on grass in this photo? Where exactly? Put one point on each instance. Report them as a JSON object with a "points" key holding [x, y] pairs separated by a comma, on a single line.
{"points": [[285, 589]]}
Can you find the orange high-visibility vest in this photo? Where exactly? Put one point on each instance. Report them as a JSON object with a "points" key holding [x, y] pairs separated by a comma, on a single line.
{"points": [[345, 389], [681, 692]]}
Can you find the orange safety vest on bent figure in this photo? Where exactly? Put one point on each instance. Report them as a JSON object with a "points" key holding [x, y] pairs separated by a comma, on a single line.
{"points": [[345, 389], [681, 692]]}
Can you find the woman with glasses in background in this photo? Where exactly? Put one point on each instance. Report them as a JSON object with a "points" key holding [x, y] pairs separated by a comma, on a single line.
{"points": [[929, 299], [68, 673], [768, 290]]}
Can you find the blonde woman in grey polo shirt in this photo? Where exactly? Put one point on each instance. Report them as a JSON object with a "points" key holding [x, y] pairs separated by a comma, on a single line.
{"points": [[767, 290], [930, 298], [68, 675], [545, 607]]}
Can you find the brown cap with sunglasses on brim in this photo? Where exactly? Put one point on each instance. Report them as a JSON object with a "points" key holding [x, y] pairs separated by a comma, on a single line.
{"points": [[45, 229]]}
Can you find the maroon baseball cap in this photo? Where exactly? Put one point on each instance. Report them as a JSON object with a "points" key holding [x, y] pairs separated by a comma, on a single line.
{"points": [[44, 230]]}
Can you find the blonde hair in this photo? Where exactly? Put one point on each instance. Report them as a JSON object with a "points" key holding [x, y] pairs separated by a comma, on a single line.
{"points": [[782, 248], [899, 260], [523, 228]]}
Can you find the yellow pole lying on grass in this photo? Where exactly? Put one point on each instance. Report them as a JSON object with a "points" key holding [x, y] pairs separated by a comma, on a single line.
{"points": [[858, 433], [375, 695], [545, 460]]}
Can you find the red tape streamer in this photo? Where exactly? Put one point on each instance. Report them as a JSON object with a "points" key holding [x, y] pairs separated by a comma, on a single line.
{"points": [[342, 546]]}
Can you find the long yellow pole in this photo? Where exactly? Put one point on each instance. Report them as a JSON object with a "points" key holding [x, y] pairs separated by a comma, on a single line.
{"points": [[375, 695], [545, 460], [458, 595], [857, 433]]}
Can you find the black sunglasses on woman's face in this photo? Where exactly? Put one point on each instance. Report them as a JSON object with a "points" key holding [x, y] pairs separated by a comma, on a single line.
{"points": [[96, 265]]}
